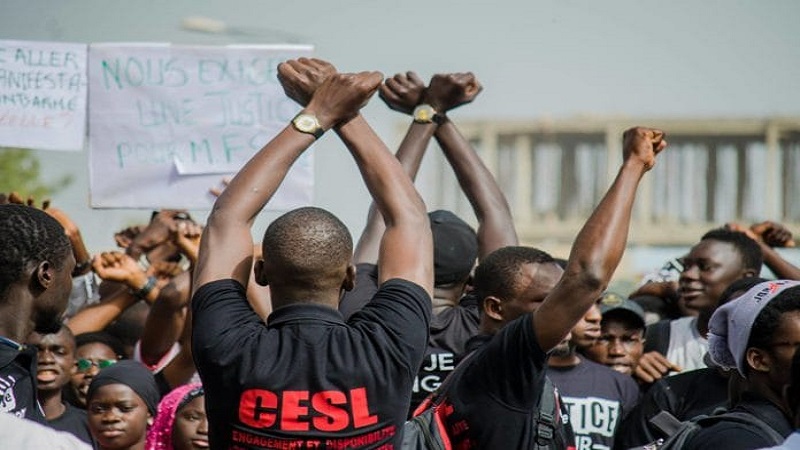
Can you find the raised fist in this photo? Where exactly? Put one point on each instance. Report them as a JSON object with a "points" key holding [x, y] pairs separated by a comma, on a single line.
{"points": [[117, 266], [403, 92], [301, 77], [451, 90], [342, 95], [641, 145]]}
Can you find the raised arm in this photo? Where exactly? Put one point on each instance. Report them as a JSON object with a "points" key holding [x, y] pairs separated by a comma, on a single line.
{"points": [[226, 247], [495, 224], [769, 235], [406, 249], [402, 93], [598, 248]]}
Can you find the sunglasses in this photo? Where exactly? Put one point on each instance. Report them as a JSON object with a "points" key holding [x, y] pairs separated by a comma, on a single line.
{"points": [[85, 364]]}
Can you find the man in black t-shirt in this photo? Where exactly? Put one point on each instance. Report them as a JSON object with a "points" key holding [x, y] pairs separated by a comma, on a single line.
{"points": [[491, 402], [36, 264], [308, 378], [56, 362], [597, 397]]}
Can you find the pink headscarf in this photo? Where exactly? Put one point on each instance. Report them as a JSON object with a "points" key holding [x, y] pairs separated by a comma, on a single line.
{"points": [[159, 436]]}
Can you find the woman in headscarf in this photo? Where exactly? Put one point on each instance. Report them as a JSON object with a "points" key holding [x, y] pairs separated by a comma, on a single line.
{"points": [[121, 403], [181, 422]]}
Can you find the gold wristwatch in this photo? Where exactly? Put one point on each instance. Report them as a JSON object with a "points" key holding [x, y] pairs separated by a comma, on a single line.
{"points": [[308, 123], [425, 113]]}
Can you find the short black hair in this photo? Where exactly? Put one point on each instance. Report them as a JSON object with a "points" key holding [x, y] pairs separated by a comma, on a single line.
{"points": [[747, 248], [28, 236], [101, 337], [497, 274], [762, 333], [309, 246]]}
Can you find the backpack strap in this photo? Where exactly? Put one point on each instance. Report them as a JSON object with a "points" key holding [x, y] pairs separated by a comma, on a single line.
{"points": [[657, 337], [666, 422], [545, 416]]}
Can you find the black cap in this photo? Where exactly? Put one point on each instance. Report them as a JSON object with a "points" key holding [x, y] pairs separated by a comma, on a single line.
{"points": [[455, 247], [611, 302]]}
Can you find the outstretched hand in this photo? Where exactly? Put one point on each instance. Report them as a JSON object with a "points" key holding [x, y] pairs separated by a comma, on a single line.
{"points": [[342, 95], [403, 92], [451, 90], [301, 77], [641, 145]]}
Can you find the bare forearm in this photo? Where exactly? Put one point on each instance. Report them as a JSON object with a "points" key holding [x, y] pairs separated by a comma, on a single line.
{"points": [[782, 268], [166, 319], [599, 246], [410, 155], [386, 180], [495, 224], [258, 180], [97, 317]]}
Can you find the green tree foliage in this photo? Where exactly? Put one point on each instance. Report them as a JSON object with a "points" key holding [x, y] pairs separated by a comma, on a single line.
{"points": [[20, 171]]}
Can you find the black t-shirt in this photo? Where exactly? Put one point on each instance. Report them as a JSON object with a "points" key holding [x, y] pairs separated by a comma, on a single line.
{"points": [[18, 382], [493, 397], [730, 435], [449, 332], [597, 399], [73, 421], [684, 395], [307, 378]]}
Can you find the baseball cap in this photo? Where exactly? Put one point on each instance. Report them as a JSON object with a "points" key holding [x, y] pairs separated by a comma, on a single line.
{"points": [[730, 325], [611, 302], [455, 247]]}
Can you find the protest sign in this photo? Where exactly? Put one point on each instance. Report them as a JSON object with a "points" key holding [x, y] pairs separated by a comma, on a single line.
{"points": [[42, 95], [167, 122]]}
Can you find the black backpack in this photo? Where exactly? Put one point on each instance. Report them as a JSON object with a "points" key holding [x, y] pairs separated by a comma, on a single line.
{"points": [[426, 430], [680, 432]]}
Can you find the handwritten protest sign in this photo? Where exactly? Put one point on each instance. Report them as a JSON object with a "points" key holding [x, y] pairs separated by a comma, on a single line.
{"points": [[42, 95], [166, 122]]}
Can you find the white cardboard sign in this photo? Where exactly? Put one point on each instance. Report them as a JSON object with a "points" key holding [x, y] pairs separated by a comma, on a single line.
{"points": [[42, 95], [167, 122]]}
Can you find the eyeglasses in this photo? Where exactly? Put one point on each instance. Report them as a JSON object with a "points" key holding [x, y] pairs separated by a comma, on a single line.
{"points": [[85, 364]]}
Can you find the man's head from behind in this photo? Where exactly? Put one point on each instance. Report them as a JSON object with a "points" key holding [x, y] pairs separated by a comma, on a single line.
{"points": [[306, 251], [621, 341], [512, 281], [455, 248], [721, 257], [36, 266]]}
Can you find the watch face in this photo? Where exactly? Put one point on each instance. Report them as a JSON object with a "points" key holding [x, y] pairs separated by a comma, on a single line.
{"points": [[424, 113], [306, 123]]}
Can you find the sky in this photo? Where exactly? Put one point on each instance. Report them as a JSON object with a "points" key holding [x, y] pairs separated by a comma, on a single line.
{"points": [[535, 59]]}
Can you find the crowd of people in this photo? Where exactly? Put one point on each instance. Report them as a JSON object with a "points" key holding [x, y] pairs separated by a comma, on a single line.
{"points": [[192, 335]]}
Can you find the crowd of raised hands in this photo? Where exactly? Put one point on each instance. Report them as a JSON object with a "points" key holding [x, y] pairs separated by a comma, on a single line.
{"points": [[140, 291], [153, 261]]}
